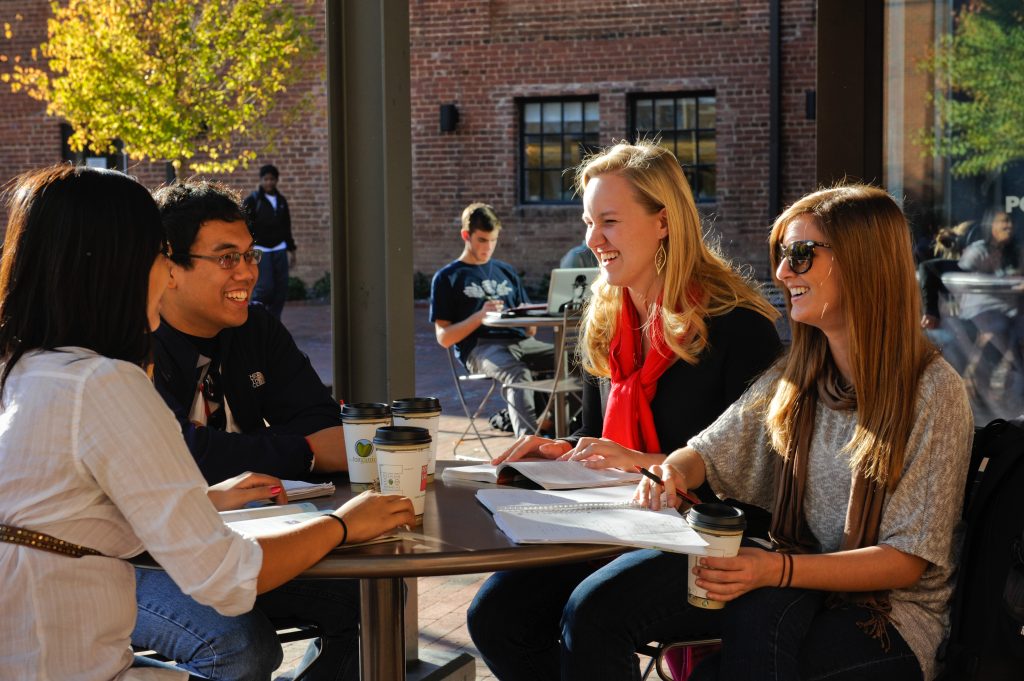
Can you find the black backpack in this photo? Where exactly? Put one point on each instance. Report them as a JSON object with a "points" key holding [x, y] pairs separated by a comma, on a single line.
{"points": [[986, 638]]}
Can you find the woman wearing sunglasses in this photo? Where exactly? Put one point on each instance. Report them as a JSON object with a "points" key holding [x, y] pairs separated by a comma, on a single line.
{"points": [[94, 466], [858, 441], [671, 337]]}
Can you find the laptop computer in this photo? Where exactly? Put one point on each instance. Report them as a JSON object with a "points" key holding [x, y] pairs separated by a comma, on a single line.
{"points": [[569, 286]]}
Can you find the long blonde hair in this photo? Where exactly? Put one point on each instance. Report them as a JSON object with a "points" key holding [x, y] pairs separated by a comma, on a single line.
{"points": [[698, 283], [870, 242]]}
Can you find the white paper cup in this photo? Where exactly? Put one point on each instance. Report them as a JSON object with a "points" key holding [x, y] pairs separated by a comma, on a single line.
{"points": [[403, 453], [419, 412], [361, 422], [722, 527]]}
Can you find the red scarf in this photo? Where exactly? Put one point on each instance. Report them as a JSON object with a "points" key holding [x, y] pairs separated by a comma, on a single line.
{"points": [[628, 419]]}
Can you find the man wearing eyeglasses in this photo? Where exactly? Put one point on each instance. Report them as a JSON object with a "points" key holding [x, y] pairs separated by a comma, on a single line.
{"points": [[247, 400]]}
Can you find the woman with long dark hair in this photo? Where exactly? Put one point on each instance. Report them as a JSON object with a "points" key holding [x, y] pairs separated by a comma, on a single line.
{"points": [[95, 467]]}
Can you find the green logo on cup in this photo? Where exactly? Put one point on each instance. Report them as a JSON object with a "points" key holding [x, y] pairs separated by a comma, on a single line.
{"points": [[364, 448]]}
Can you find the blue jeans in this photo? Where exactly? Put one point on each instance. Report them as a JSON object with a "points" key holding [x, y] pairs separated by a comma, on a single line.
{"points": [[213, 646], [514, 363], [582, 621], [272, 284], [789, 634]]}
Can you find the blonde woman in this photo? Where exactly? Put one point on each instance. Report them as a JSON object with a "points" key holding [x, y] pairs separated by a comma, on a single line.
{"points": [[859, 442], [671, 337]]}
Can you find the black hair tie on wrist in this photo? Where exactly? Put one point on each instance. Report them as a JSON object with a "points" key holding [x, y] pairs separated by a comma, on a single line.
{"points": [[344, 527]]}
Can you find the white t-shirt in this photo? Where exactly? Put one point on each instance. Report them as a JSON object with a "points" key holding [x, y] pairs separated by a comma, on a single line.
{"points": [[92, 455]]}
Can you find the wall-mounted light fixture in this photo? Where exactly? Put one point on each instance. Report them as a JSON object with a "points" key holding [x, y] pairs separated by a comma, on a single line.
{"points": [[449, 117]]}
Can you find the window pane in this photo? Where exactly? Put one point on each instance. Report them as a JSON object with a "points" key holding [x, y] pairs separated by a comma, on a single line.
{"points": [[689, 172], [687, 114], [707, 112], [573, 116], [533, 185], [708, 149], [643, 115], [552, 154], [571, 151], [706, 190], [664, 114], [567, 188], [686, 148], [531, 152], [668, 140], [531, 119], [552, 117], [591, 117], [552, 185]]}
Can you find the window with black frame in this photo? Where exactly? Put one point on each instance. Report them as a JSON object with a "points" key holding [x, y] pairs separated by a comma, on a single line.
{"points": [[683, 123], [554, 135]]}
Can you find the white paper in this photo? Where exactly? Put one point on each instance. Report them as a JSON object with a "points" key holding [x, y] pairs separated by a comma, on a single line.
{"points": [[493, 499], [664, 530], [547, 474]]}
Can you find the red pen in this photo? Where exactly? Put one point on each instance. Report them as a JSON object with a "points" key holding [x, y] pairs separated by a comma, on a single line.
{"points": [[683, 494]]}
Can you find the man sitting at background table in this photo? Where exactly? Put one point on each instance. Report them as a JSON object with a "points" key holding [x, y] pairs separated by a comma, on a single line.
{"points": [[247, 399], [464, 291]]}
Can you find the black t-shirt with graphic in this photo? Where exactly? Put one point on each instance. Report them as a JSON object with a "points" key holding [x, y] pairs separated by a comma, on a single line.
{"points": [[459, 289]]}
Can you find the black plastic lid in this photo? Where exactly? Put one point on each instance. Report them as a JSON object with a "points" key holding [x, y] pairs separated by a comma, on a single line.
{"points": [[365, 410], [401, 435], [717, 517], [415, 405]]}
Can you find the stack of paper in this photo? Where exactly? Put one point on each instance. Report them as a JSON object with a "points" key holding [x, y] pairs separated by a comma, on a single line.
{"points": [[588, 517], [297, 489]]}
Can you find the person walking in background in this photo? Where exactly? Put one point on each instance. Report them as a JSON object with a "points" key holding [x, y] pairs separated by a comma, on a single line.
{"points": [[272, 225]]}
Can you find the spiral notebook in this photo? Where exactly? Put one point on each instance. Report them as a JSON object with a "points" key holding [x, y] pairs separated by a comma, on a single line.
{"points": [[547, 474], [591, 516]]}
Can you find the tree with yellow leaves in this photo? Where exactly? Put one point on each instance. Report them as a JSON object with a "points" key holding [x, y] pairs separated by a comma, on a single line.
{"points": [[188, 81]]}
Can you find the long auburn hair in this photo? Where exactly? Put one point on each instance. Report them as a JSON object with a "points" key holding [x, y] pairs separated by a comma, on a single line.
{"points": [[881, 304], [79, 247], [698, 281]]}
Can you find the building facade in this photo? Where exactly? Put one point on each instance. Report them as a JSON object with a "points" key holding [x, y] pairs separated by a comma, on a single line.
{"points": [[525, 88]]}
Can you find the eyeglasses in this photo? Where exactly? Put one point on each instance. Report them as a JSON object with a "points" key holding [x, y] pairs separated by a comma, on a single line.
{"points": [[800, 254], [229, 261]]}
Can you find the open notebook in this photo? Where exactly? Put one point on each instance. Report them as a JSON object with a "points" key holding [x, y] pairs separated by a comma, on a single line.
{"points": [[593, 516], [254, 522], [547, 474]]}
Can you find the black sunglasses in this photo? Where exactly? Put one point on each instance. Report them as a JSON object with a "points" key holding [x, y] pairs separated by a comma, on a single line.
{"points": [[800, 254]]}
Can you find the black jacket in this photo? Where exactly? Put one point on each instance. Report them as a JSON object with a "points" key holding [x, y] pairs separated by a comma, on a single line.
{"points": [[269, 227], [265, 377]]}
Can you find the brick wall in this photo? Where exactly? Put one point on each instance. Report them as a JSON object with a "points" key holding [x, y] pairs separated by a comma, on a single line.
{"points": [[484, 55]]}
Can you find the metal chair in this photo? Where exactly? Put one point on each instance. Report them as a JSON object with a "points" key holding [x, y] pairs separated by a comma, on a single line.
{"points": [[459, 375]]}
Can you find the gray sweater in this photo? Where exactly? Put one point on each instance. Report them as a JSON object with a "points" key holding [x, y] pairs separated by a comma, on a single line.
{"points": [[920, 517]]}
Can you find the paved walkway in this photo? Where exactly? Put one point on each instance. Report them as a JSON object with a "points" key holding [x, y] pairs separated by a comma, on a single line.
{"points": [[442, 600]]}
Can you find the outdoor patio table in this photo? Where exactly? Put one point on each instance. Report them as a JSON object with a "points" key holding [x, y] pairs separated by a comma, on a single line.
{"points": [[562, 377], [457, 536]]}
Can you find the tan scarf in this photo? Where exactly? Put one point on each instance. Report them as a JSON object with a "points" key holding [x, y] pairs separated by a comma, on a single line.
{"points": [[789, 531]]}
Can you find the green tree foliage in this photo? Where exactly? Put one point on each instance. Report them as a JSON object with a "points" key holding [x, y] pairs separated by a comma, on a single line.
{"points": [[189, 81], [980, 66]]}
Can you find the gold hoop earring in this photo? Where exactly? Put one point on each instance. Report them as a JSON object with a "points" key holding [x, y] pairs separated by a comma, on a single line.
{"points": [[660, 257]]}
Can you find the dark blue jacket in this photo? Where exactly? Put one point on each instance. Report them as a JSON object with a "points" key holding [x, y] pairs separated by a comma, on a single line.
{"points": [[265, 377]]}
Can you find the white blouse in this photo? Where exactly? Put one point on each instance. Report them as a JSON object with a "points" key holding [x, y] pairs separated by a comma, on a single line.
{"points": [[89, 453]]}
